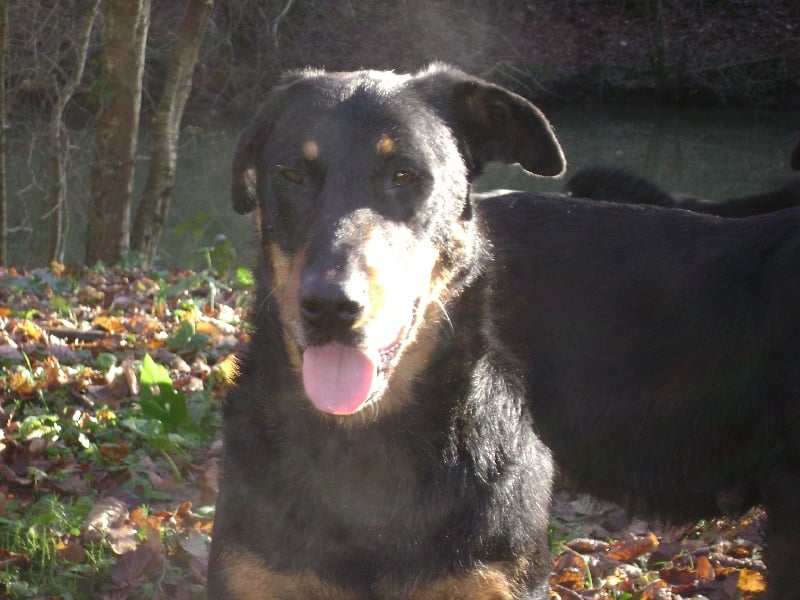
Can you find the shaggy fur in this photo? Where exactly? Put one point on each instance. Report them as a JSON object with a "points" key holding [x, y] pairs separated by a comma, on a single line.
{"points": [[420, 476]]}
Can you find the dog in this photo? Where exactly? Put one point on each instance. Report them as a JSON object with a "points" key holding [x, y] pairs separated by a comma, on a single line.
{"points": [[615, 184], [661, 355], [378, 442]]}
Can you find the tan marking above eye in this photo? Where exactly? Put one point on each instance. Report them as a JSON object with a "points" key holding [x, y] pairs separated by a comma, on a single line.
{"points": [[385, 146], [311, 150]]}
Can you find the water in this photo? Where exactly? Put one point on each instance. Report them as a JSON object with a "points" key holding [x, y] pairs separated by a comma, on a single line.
{"points": [[711, 152]]}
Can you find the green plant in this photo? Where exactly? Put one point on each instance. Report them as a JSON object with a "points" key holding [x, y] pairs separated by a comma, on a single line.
{"points": [[187, 338], [166, 419], [159, 400], [38, 537]]}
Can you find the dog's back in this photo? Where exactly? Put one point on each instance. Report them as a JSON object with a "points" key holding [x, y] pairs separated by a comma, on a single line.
{"points": [[662, 353]]}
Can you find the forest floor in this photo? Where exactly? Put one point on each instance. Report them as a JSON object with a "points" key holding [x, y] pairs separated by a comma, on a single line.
{"points": [[110, 394]]}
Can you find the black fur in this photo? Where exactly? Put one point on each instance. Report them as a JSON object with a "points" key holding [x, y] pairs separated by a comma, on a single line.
{"points": [[615, 184], [438, 487], [662, 355]]}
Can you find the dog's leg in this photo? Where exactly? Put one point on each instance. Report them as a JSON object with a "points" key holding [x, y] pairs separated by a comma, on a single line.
{"points": [[783, 522]]}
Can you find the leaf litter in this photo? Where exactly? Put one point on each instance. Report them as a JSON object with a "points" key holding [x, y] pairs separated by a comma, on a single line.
{"points": [[110, 392]]}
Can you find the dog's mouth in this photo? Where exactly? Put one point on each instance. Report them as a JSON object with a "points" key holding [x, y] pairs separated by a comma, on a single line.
{"points": [[342, 380]]}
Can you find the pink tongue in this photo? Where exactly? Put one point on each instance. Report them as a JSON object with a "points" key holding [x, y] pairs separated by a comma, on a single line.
{"points": [[337, 378]]}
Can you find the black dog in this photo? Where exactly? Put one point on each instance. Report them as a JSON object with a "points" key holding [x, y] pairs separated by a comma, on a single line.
{"points": [[662, 355], [379, 444], [615, 184]]}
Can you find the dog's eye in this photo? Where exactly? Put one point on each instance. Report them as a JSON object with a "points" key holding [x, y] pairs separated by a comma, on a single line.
{"points": [[403, 177], [291, 175]]}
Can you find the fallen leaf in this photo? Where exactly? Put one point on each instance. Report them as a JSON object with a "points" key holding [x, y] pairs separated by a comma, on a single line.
{"points": [[587, 545], [109, 323], [704, 569], [627, 550], [751, 582], [105, 514]]}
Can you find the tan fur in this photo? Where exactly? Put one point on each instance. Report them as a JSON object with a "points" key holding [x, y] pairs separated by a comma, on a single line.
{"points": [[386, 146], [311, 150], [287, 272], [248, 578], [495, 581]]}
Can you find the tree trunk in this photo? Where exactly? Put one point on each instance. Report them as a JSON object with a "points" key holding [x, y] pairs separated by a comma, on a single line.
{"points": [[116, 136], [59, 144], [3, 110], [157, 196]]}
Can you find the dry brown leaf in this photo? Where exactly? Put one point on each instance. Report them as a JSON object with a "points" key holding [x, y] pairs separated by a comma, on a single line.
{"points": [[570, 578], [704, 569], [72, 552], [587, 545], [678, 575], [106, 513], [627, 550], [569, 559], [109, 323], [657, 590], [30, 331], [12, 559], [23, 385]]}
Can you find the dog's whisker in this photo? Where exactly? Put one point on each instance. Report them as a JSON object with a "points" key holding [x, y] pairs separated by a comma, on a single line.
{"points": [[446, 316], [263, 303]]}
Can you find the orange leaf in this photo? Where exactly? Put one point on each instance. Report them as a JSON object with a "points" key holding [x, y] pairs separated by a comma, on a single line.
{"points": [[751, 582], [570, 578], [569, 560], [109, 323], [627, 550], [704, 569], [31, 330], [654, 591], [23, 385]]}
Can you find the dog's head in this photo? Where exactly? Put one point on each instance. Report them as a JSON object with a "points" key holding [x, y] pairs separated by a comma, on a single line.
{"points": [[361, 181]]}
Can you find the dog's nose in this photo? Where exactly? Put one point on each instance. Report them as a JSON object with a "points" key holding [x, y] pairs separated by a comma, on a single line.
{"points": [[326, 304]]}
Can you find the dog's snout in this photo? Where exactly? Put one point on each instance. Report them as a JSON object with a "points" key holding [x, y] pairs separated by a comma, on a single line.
{"points": [[327, 304]]}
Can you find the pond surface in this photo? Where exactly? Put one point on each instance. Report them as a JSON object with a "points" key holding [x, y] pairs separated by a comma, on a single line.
{"points": [[712, 152]]}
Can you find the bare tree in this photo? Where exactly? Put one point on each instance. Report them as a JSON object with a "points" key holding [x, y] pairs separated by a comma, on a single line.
{"points": [[116, 135], [157, 196], [3, 76], [64, 87]]}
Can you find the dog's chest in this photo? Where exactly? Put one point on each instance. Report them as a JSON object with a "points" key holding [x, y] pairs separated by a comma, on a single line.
{"points": [[366, 482]]}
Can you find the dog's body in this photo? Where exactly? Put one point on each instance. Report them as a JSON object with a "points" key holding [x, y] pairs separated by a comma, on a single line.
{"points": [[662, 355], [378, 444], [615, 184]]}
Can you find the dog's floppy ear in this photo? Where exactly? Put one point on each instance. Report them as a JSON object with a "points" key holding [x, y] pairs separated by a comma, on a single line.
{"points": [[244, 181], [492, 122], [244, 194]]}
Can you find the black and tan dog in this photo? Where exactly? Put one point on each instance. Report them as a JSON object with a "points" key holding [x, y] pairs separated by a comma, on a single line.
{"points": [[616, 184], [378, 444], [661, 350]]}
